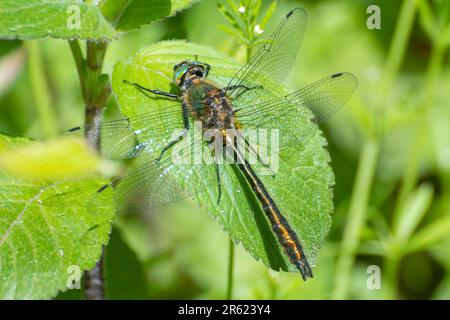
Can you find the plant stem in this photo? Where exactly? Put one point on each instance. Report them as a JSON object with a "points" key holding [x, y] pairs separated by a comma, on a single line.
{"points": [[95, 89], [249, 52], [80, 63], [391, 262], [434, 69], [394, 59], [230, 270], [40, 90], [94, 288], [398, 47], [356, 217]]}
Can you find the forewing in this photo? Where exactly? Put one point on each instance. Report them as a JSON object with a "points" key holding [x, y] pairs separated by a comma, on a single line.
{"points": [[322, 98], [326, 96], [150, 186], [272, 63], [173, 178], [144, 134]]}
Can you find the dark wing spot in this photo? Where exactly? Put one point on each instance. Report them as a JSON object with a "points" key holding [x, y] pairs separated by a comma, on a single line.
{"points": [[95, 226], [289, 13], [102, 188], [336, 75], [74, 129]]}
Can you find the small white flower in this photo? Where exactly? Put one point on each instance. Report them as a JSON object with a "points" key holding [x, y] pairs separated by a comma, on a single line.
{"points": [[258, 29], [241, 9]]}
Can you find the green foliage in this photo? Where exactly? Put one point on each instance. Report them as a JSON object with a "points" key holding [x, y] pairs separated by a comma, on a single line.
{"points": [[126, 15], [412, 213], [52, 160], [304, 167], [435, 24], [69, 19], [37, 195], [32, 19], [413, 201], [405, 236], [123, 272], [48, 231], [243, 23]]}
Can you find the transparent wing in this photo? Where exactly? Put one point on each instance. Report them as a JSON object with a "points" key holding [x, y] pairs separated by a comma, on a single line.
{"points": [[133, 137], [326, 96], [272, 62], [323, 98], [148, 187], [156, 184]]}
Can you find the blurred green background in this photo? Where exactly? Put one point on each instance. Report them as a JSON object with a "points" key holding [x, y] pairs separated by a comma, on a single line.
{"points": [[390, 150]]}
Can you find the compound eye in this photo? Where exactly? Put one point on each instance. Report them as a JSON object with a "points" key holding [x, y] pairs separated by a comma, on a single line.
{"points": [[182, 63]]}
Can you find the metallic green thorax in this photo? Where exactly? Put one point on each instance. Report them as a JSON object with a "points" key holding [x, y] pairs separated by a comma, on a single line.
{"points": [[197, 91]]}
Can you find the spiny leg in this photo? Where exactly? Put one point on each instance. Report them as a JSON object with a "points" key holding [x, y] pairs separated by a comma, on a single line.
{"points": [[219, 185], [142, 89], [259, 158], [170, 145], [216, 165], [242, 86], [246, 88], [181, 136]]}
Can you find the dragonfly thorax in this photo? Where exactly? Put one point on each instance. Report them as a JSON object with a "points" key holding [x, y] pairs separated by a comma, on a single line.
{"points": [[208, 104], [204, 100]]}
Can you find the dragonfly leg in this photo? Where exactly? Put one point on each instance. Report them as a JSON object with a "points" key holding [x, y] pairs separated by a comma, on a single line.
{"points": [[246, 88], [216, 166], [143, 89], [219, 185], [267, 166], [242, 86], [182, 135], [170, 145]]}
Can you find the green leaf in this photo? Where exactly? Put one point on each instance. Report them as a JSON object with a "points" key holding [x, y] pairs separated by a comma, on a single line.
{"points": [[228, 16], [427, 19], [268, 15], [56, 159], [413, 211], [254, 11], [301, 188], [126, 15], [49, 232], [430, 234], [232, 32], [66, 19], [233, 6], [178, 5]]}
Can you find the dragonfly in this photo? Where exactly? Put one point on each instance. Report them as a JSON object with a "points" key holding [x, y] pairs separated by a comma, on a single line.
{"points": [[251, 99]]}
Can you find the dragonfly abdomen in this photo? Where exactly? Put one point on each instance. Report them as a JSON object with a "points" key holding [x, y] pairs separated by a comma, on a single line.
{"points": [[284, 233]]}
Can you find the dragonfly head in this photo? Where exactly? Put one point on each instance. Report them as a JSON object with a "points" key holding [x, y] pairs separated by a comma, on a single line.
{"points": [[189, 70]]}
